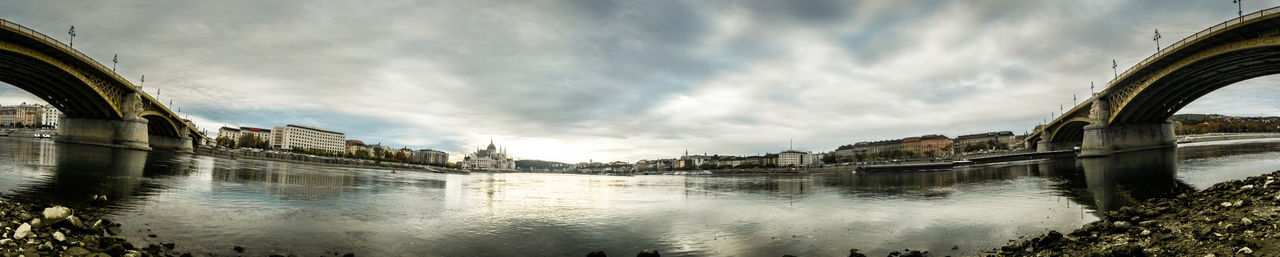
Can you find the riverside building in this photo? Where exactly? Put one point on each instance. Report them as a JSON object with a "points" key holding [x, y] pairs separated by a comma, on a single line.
{"points": [[429, 156], [49, 116], [308, 137], [234, 134], [22, 115]]}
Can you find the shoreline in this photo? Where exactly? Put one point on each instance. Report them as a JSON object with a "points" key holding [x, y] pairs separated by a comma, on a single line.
{"points": [[346, 162], [1237, 217], [1199, 138], [35, 230]]}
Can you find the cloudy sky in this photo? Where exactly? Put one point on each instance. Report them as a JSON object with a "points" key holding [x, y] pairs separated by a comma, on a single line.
{"points": [[625, 80]]}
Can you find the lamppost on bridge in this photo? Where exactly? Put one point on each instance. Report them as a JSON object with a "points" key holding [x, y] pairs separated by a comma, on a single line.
{"points": [[143, 80], [1091, 88], [1239, 8], [115, 59], [1157, 39], [1114, 73], [72, 32]]}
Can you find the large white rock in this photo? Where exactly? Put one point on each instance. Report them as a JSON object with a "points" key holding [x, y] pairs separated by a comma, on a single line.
{"points": [[23, 231], [55, 214]]}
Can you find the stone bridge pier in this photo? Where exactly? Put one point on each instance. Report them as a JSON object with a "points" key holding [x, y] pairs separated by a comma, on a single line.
{"points": [[126, 133], [1103, 139], [132, 131], [181, 143]]}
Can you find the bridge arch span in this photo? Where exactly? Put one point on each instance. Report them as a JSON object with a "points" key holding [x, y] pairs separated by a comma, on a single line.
{"points": [[51, 81], [1132, 112], [1070, 131], [1177, 86], [98, 106]]}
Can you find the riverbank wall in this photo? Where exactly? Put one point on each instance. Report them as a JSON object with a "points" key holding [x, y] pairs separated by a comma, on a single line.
{"points": [[26, 132], [1182, 139], [255, 154]]}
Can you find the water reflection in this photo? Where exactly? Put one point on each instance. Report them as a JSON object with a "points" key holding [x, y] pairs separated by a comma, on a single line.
{"points": [[311, 209], [1127, 179]]}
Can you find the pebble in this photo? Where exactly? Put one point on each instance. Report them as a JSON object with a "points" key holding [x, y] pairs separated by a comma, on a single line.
{"points": [[648, 253], [23, 231], [75, 251], [1228, 204], [1246, 187], [75, 221], [1245, 250], [1120, 224], [57, 235], [1246, 221], [1145, 233]]}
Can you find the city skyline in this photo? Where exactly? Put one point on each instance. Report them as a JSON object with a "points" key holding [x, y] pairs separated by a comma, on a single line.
{"points": [[572, 82]]}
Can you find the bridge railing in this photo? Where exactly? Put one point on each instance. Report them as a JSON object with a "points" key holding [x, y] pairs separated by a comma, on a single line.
{"points": [[56, 43], [1193, 37], [66, 48]]}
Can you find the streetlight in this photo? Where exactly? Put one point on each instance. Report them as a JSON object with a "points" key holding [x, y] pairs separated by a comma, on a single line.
{"points": [[1157, 39], [114, 60], [72, 32], [1114, 72], [1239, 8]]}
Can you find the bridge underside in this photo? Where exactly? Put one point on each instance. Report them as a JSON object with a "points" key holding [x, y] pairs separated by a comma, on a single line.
{"points": [[1175, 90], [1132, 115], [98, 107]]}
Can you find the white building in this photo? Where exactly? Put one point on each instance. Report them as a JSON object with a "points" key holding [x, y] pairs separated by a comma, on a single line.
{"points": [[489, 159], [791, 158], [49, 116], [307, 137], [813, 159]]}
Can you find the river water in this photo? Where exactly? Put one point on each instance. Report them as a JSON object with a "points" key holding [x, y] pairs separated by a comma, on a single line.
{"points": [[209, 205]]}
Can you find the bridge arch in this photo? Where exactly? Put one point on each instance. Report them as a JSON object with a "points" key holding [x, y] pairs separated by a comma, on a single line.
{"points": [[1070, 131], [157, 124], [98, 106], [1176, 86], [1132, 112], [54, 82]]}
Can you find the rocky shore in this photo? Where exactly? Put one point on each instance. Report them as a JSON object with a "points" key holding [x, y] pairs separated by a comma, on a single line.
{"points": [[58, 231], [33, 231], [1233, 218]]}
